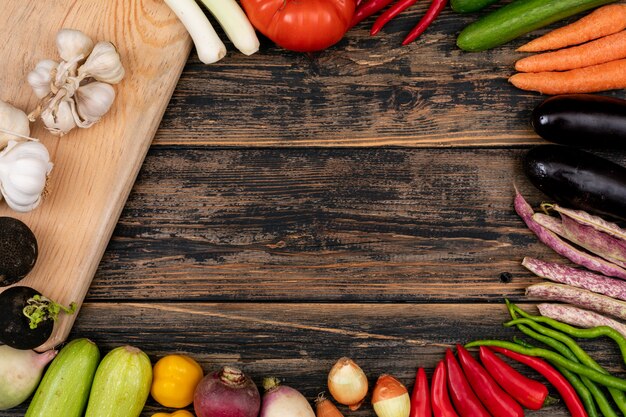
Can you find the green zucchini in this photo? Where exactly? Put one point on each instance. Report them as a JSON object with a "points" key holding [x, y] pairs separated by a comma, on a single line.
{"points": [[518, 18], [121, 385], [65, 386], [468, 6]]}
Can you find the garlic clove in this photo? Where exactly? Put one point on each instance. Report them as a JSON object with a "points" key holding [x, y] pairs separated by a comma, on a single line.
{"points": [[14, 120], [72, 43], [58, 118], [24, 169], [41, 77], [93, 100], [103, 64]]}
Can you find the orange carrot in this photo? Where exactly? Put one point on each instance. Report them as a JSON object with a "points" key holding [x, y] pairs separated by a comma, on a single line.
{"points": [[601, 22], [601, 50], [607, 76]]}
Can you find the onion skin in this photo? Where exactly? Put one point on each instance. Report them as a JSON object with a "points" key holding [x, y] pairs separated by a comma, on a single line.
{"points": [[227, 393], [283, 401], [20, 373]]}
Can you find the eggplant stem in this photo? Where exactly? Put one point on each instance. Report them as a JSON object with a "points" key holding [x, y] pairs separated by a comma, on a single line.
{"points": [[39, 309]]}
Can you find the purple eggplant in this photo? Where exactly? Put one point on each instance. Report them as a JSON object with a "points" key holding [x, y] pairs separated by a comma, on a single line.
{"points": [[582, 120], [578, 179]]}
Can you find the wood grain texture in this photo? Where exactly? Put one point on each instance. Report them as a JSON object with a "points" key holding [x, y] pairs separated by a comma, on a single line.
{"points": [[364, 91], [316, 224], [300, 342], [94, 168]]}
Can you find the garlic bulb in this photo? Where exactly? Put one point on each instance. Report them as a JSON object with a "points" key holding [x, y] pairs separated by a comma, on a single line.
{"points": [[59, 118], [41, 77], [103, 64], [13, 120], [72, 43], [93, 100], [73, 95], [24, 168]]}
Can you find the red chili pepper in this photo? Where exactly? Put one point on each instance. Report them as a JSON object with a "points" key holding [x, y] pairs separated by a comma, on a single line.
{"points": [[390, 13], [436, 7], [528, 392], [464, 399], [420, 397], [442, 407], [367, 9], [571, 399], [497, 402], [358, 2]]}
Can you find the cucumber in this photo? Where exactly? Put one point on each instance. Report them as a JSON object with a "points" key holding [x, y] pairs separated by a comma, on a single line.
{"points": [[468, 6], [518, 18], [64, 389], [121, 385]]}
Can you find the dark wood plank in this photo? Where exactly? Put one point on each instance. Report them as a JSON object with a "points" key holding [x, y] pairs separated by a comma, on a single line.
{"points": [[300, 342], [355, 225], [365, 91]]}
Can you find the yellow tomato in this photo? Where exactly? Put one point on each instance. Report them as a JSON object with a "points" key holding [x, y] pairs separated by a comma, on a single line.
{"points": [[179, 413], [174, 380]]}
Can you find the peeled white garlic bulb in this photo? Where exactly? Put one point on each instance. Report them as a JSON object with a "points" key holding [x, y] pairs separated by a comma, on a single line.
{"points": [[58, 118], [13, 120], [41, 77], [93, 100], [73, 43], [103, 64], [24, 169]]}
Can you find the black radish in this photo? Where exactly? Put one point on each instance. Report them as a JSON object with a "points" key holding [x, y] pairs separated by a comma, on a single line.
{"points": [[18, 250], [27, 317]]}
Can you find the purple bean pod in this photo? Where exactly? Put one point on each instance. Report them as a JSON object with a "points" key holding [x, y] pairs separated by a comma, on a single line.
{"points": [[525, 211], [606, 246], [596, 242], [596, 222]]}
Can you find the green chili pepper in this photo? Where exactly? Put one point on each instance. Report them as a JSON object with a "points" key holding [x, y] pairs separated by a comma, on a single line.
{"points": [[592, 333], [559, 360], [587, 391]]}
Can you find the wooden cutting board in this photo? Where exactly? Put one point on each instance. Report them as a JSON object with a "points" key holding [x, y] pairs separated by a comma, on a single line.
{"points": [[94, 169]]}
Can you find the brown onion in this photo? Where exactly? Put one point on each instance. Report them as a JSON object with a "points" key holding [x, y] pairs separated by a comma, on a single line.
{"points": [[390, 398], [347, 383]]}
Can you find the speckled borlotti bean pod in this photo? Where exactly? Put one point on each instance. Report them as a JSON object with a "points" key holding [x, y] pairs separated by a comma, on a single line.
{"points": [[577, 277], [578, 297]]}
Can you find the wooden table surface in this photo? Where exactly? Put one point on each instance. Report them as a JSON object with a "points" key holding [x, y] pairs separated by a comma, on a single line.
{"points": [[274, 228]]}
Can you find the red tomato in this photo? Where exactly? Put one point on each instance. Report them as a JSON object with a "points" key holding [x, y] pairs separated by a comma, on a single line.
{"points": [[301, 25]]}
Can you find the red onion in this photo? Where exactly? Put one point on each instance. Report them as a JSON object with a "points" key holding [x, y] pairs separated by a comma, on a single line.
{"points": [[283, 401], [227, 393]]}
